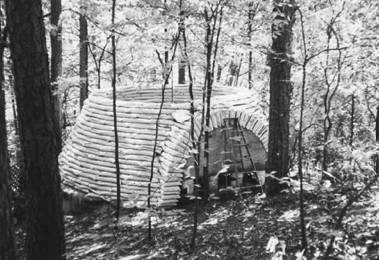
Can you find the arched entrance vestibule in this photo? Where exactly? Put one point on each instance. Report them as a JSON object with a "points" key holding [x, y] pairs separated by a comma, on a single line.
{"points": [[237, 138]]}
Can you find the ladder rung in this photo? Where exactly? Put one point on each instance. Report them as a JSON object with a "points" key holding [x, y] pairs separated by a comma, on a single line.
{"points": [[228, 161], [227, 128], [231, 128], [232, 131], [240, 144], [251, 186]]}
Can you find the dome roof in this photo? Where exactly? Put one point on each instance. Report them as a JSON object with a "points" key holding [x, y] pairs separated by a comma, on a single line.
{"points": [[87, 159]]}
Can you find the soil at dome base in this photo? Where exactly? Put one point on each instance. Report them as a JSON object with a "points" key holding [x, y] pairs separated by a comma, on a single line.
{"points": [[234, 229]]}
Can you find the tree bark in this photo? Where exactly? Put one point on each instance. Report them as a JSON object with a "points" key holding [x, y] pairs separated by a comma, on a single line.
{"points": [[7, 245], [250, 78], [377, 124], [83, 62], [56, 58], [7, 242], [219, 71], [251, 14], [99, 60], [280, 94], [182, 72], [352, 119], [114, 103], [15, 116], [303, 228], [166, 73], [182, 62], [377, 138], [38, 128], [196, 157], [213, 21], [332, 79]]}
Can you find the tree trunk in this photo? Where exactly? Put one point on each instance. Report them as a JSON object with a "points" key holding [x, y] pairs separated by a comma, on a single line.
{"points": [[56, 58], [196, 157], [377, 123], [251, 15], [212, 40], [352, 119], [114, 106], [219, 71], [303, 228], [182, 72], [166, 73], [280, 94], [238, 73], [327, 126], [15, 117], [83, 62], [377, 138], [166, 38], [38, 128], [182, 62], [19, 160], [7, 243]]}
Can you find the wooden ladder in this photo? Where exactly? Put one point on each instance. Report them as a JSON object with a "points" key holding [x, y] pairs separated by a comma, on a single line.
{"points": [[234, 139]]}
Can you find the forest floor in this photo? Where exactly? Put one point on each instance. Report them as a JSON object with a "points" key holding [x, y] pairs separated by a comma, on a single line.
{"points": [[235, 229]]}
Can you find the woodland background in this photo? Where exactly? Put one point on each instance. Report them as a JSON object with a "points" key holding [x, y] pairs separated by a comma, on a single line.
{"points": [[332, 92]]}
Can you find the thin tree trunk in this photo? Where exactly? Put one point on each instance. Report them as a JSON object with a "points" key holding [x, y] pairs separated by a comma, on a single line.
{"points": [[7, 238], [192, 135], [377, 124], [327, 126], [212, 38], [167, 72], [114, 74], [250, 25], [300, 142], [18, 155], [15, 117], [250, 70], [251, 14], [238, 73], [98, 70], [352, 120], [377, 138], [182, 63], [208, 92], [56, 59], [83, 62], [99, 61], [330, 91], [165, 34], [219, 71], [280, 94], [38, 127], [182, 72]]}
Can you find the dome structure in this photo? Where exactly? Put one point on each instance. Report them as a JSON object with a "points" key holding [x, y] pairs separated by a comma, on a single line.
{"points": [[87, 161]]}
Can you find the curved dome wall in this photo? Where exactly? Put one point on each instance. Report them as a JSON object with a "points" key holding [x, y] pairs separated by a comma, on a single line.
{"points": [[87, 159]]}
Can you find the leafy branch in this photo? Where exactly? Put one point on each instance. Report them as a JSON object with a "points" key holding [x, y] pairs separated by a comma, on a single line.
{"points": [[338, 225], [167, 72]]}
